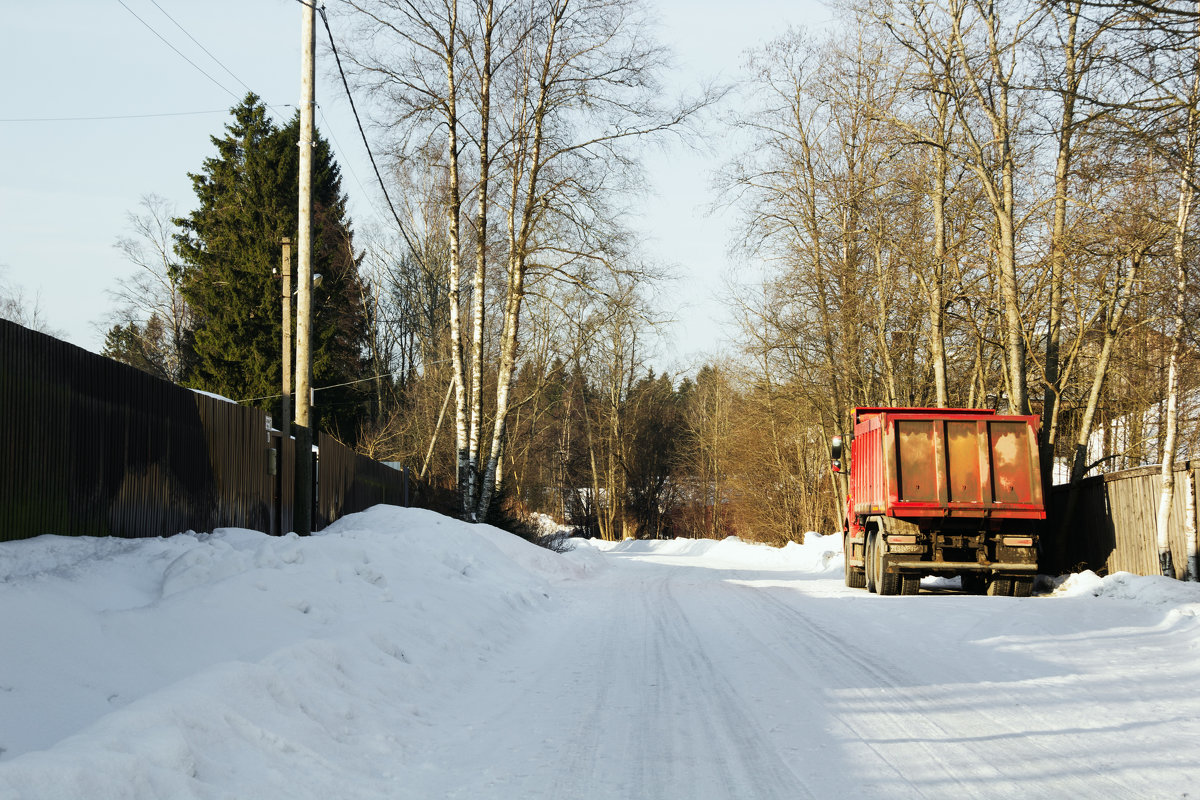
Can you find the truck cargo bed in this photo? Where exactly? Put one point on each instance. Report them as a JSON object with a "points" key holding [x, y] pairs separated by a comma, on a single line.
{"points": [[914, 463]]}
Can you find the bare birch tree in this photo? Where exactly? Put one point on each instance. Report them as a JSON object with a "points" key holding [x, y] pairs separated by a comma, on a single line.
{"points": [[16, 306], [151, 300], [987, 44], [577, 82]]}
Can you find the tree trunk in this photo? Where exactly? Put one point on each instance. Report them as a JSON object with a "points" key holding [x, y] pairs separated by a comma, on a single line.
{"points": [[1117, 304], [1187, 194], [936, 288], [1189, 522]]}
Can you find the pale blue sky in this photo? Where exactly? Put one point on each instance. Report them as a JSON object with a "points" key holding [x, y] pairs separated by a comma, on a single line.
{"points": [[67, 185]]}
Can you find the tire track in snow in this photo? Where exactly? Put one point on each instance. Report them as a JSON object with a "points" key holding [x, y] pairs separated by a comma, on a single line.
{"points": [[745, 757], [684, 732], [617, 696], [904, 719], [741, 609]]}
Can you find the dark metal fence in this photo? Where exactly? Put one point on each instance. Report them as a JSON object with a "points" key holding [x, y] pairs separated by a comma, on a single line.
{"points": [[349, 482], [92, 447]]}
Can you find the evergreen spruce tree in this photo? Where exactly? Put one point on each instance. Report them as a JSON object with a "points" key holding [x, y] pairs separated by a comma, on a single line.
{"points": [[141, 346], [230, 249]]}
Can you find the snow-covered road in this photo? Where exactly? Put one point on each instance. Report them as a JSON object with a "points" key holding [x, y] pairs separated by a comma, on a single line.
{"points": [[685, 676], [401, 655]]}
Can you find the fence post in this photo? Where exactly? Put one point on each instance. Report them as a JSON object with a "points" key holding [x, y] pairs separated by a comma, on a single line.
{"points": [[302, 513]]}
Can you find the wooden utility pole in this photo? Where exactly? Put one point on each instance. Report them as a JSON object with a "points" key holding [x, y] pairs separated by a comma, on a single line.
{"points": [[304, 431], [285, 423]]}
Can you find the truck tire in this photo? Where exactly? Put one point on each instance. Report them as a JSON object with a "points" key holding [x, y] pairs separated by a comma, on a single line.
{"points": [[855, 578], [888, 582], [1000, 586], [869, 562], [910, 584], [885, 582], [1022, 586]]}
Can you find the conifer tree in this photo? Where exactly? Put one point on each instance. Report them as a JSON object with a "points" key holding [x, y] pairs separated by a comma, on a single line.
{"points": [[230, 250]]}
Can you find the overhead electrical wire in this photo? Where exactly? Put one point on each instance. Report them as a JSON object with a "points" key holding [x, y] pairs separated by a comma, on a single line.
{"points": [[177, 50], [343, 154], [322, 388], [345, 84], [115, 116], [202, 47]]}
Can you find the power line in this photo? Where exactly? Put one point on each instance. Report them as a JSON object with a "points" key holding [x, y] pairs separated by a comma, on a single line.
{"points": [[339, 385], [202, 47], [322, 388], [108, 117], [345, 84], [346, 160], [115, 116], [176, 49]]}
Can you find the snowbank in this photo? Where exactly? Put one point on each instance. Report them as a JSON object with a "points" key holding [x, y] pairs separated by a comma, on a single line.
{"points": [[1153, 590], [235, 664], [238, 664]]}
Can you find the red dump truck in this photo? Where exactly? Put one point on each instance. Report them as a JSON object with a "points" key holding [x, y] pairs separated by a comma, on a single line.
{"points": [[937, 491]]}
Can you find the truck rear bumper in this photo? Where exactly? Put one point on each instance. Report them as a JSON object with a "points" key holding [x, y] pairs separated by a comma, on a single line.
{"points": [[999, 566]]}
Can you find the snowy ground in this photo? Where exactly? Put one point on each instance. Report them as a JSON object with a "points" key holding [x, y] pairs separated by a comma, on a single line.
{"points": [[405, 655]]}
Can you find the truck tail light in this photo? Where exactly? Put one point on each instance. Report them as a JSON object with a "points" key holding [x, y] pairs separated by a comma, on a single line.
{"points": [[902, 539], [1018, 541]]}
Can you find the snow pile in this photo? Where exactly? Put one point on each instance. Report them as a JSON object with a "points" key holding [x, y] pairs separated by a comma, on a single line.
{"points": [[402, 654], [1152, 590], [237, 664], [547, 526]]}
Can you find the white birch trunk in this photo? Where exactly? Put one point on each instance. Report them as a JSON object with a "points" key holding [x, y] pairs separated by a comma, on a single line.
{"points": [[508, 360], [453, 224], [1167, 496], [482, 200], [937, 324], [519, 239], [1171, 423], [1189, 524]]}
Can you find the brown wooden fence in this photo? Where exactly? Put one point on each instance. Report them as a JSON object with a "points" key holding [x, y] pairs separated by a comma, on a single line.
{"points": [[1114, 527], [92, 447]]}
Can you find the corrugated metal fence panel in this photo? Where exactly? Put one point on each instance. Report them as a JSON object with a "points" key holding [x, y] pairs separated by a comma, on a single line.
{"points": [[92, 447], [348, 482], [238, 445], [89, 446], [335, 474], [374, 483]]}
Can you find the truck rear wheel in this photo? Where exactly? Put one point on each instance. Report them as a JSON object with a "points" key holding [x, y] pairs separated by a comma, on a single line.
{"points": [[869, 563], [1023, 586], [1000, 586], [910, 584], [855, 578], [889, 582], [885, 582]]}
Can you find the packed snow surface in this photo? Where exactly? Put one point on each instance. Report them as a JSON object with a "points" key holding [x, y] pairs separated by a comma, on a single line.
{"points": [[401, 654]]}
